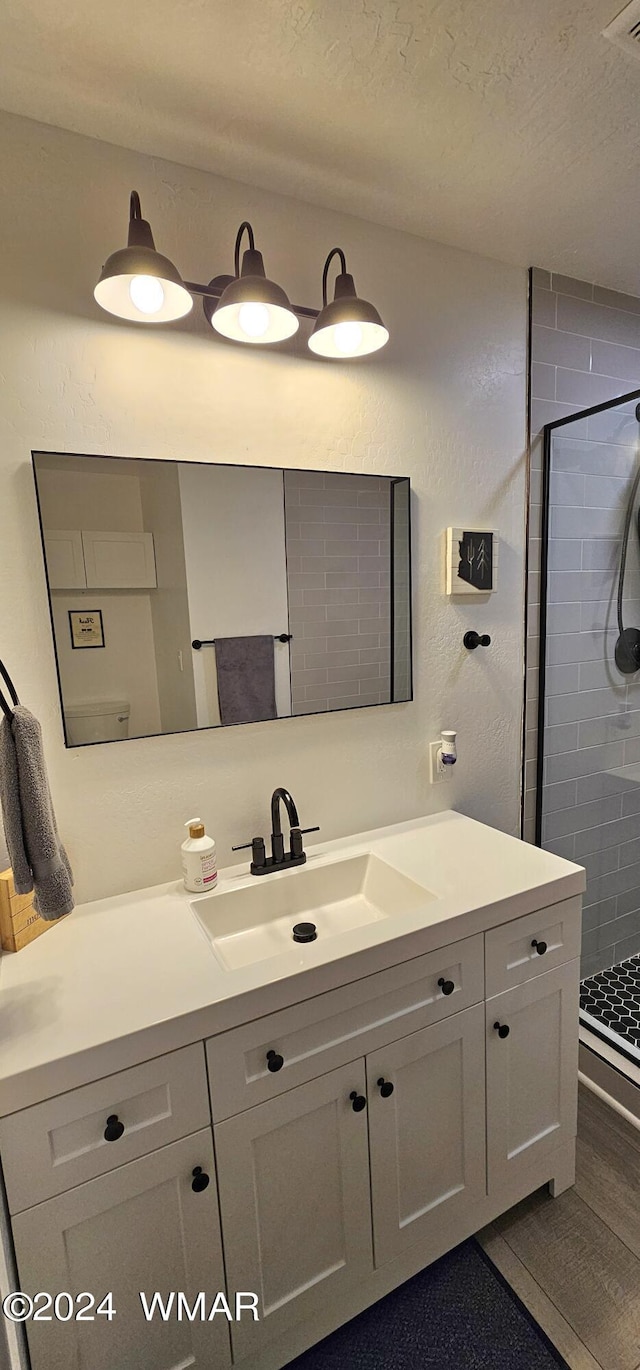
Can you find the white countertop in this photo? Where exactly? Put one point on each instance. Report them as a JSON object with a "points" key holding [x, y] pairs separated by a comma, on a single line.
{"points": [[124, 979]]}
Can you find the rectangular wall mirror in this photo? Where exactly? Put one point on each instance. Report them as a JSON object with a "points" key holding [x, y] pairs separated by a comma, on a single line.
{"points": [[187, 595]]}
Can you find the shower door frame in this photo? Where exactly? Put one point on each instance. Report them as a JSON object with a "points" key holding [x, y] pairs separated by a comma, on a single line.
{"points": [[547, 434]]}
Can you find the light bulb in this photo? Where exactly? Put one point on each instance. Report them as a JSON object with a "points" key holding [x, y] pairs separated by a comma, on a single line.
{"points": [[146, 294], [347, 338], [253, 319]]}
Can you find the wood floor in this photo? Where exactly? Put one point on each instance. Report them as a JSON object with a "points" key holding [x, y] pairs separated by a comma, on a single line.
{"points": [[575, 1260]]}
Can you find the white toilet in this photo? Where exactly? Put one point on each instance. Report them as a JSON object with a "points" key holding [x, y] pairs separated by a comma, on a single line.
{"points": [[99, 720]]}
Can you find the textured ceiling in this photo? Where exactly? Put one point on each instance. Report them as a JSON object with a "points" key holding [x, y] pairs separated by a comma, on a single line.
{"points": [[509, 127]]}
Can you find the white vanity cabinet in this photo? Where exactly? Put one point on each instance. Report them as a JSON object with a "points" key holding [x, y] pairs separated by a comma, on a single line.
{"points": [[358, 1134], [89, 1217], [394, 1140], [294, 1198], [141, 1228], [532, 1070], [362, 1174], [426, 1100]]}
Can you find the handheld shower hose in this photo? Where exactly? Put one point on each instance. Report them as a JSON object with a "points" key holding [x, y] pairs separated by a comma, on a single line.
{"points": [[627, 649]]}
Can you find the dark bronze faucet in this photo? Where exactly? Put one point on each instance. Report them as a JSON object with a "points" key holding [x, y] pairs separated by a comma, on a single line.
{"points": [[261, 864], [277, 840]]}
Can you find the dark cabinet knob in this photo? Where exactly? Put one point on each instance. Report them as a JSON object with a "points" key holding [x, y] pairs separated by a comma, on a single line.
{"points": [[274, 1061], [540, 947], [200, 1179], [358, 1101], [447, 986], [114, 1129], [385, 1087], [472, 640], [501, 1029]]}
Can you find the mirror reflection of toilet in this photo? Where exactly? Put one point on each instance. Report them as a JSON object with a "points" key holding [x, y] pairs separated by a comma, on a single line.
{"points": [[100, 720]]}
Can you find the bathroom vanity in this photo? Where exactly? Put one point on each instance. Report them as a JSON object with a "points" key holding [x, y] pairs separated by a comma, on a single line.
{"points": [[192, 1102]]}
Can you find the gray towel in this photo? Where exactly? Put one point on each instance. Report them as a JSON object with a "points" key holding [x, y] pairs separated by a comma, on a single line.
{"points": [[38, 858], [246, 679]]}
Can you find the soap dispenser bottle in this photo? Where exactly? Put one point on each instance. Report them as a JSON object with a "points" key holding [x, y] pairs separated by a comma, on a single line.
{"points": [[199, 858]]}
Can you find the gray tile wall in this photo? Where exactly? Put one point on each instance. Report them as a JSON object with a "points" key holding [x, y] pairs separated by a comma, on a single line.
{"points": [[338, 550], [401, 684], [586, 350]]}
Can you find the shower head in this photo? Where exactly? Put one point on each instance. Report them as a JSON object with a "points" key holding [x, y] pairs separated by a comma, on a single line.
{"points": [[627, 651]]}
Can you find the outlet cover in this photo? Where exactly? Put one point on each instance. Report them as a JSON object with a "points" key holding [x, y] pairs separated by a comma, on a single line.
{"points": [[436, 774]]}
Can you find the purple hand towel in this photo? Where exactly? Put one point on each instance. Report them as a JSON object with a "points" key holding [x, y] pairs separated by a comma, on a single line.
{"points": [[246, 679]]}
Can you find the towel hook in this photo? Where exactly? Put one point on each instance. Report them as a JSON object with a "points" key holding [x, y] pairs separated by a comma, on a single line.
{"points": [[6, 708]]}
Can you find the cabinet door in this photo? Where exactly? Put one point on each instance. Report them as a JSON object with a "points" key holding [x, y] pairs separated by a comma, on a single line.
{"points": [[140, 1228], [427, 1135], [119, 561], [65, 559], [532, 1072], [295, 1203]]}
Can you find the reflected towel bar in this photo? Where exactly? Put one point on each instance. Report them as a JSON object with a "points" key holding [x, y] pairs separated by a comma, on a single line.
{"points": [[211, 641]]}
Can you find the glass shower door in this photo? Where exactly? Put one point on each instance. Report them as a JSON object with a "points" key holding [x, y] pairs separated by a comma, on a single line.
{"points": [[588, 806]]}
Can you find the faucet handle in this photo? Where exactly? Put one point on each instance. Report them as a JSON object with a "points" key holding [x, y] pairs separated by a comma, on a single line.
{"points": [[258, 853], [297, 848]]}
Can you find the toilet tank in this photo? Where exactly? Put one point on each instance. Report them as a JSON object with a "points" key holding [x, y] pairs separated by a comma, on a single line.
{"points": [[99, 720]]}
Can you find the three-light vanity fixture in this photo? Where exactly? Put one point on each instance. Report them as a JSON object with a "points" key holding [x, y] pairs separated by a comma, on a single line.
{"points": [[139, 284]]}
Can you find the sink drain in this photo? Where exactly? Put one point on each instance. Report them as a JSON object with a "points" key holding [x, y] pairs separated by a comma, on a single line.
{"points": [[305, 932]]}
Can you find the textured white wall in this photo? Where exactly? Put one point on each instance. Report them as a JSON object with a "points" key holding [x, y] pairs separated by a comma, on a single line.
{"points": [[445, 405]]}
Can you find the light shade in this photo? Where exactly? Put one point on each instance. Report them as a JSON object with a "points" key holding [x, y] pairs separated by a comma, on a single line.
{"points": [[139, 284], [348, 326], [253, 309]]}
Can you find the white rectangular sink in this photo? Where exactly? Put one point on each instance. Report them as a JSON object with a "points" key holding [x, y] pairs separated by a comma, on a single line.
{"points": [[256, 922]]}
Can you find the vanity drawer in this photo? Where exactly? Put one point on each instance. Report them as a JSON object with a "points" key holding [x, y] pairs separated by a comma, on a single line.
{"points": [[510, 955], [60, 1143], [334, 1028]]}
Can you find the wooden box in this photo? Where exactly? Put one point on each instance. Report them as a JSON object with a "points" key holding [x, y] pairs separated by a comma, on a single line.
{"points": [[19, 923]]}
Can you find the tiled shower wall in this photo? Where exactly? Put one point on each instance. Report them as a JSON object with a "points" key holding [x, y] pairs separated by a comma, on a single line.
{"points": [[586, 350], [401, 683], [338, 541]]}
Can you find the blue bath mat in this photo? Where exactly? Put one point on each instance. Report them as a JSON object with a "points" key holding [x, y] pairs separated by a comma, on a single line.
{"points": [[459, 1314]]}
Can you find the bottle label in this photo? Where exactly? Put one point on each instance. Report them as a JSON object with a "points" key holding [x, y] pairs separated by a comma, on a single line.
{"points": [[209, 869]]}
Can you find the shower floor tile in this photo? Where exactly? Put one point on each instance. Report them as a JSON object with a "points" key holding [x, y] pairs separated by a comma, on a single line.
{"points": [[611, 1001]]}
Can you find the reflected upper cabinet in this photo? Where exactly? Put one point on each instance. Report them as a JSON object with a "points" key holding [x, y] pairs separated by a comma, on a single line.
{"points": [[295, 586]]}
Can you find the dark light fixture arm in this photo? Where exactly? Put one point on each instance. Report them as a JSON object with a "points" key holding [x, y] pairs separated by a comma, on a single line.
{"points": [[335, 252], [245, 227]]}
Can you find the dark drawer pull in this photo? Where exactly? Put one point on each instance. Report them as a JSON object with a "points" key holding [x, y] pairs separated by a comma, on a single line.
{"points": [[385, 1087], [200, 1179], [358, 1101], [114, 1129], [447, 986], [540, 947], [274, 1061], [502, 1029]]}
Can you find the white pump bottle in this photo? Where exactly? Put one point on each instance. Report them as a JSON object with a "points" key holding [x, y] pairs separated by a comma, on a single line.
{"points": [[199, 866]]}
